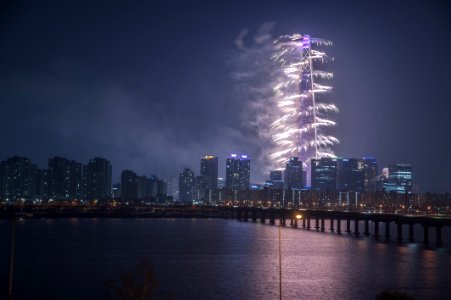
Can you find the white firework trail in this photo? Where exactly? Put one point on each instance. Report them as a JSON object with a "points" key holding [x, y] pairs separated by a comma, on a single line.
{"points": [[285, 112], [301, 127]]}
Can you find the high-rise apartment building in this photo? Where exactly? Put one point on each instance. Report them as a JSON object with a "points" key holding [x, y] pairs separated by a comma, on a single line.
{"points": [[17, 179], [97, 179], [129, 187], [238, 172], [42, 184], [65, 179]]}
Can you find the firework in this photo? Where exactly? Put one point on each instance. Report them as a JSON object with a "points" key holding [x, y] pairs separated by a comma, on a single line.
{"points": [[301, 126]]}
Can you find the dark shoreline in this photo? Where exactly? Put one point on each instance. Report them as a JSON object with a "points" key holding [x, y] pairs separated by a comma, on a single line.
{"points": [[31, 212]]}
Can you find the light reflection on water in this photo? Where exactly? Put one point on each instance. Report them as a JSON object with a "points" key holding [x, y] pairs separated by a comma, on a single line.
{"points": [[215, 259]]}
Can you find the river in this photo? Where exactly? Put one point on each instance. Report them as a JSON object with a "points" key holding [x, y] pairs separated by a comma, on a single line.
{"points": [[214, 259]]}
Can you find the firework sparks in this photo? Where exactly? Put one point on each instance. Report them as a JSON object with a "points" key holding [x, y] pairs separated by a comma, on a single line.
{"points": [[300, 129]]}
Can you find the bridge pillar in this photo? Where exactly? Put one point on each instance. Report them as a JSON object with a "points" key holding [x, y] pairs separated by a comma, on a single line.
{"points": [[399, 225], [356, 227], [322, 225], [262, 217], [295, 223], [254, 216], [367, 228], [245, 215], [303, 222], [339, 226], [426, 234], [348, 225], [272, 219], [438, 239], [332, 224], [238, 214], [317, 223], [387, 230], [282, 220], [411, 234], [376, 230], [308, 222]]}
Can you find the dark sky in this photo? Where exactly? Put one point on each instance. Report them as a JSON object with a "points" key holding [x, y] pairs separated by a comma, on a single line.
{"points": [[147, 84]]}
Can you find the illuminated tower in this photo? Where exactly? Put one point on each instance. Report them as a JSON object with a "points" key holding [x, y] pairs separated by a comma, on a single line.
{"points": [[301, 127]]}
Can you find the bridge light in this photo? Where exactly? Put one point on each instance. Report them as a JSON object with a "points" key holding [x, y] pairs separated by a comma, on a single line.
{"points": [[298, 217]]}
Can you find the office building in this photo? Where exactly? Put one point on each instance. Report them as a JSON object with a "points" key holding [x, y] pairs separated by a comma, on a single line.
{"points": [[293, 174], [399, 179], [324, 174], [350, 175]]}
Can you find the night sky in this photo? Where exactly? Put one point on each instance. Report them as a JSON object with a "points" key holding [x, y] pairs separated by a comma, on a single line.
{"points": [[148, 85]]}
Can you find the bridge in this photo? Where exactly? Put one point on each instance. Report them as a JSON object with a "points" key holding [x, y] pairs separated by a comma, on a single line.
{"points": [[305, 217]]}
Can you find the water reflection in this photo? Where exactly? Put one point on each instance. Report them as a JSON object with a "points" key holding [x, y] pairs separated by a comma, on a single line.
{"points": [[216, 259]]}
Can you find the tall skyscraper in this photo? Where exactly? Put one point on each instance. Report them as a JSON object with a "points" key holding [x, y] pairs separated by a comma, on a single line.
{"points": [[324, 174], [97, 179], [371, 171], [129, 187], [399, 179], [301, 126], [187, 184], [350, 175], [209, 170], [18, 179], [293, 174], [238, 172], [65, 179]]}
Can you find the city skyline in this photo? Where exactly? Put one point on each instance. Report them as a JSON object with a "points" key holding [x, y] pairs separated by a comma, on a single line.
{"points": [[70, 88], [65, 179]]}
